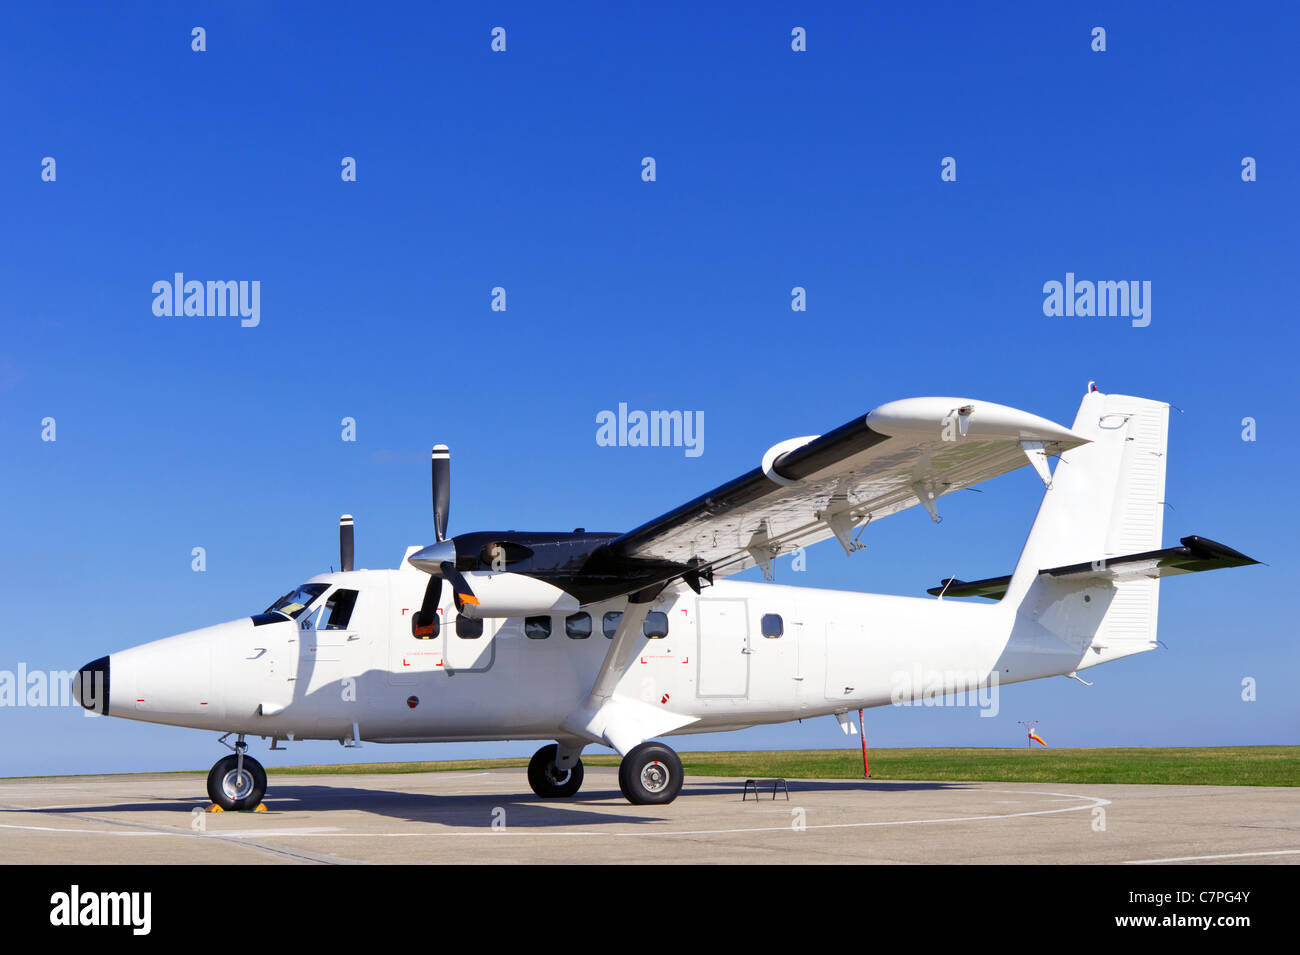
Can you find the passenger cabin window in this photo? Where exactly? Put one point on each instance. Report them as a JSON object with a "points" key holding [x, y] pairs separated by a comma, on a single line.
{"points": [[578, 626], [468, 629], [772, 625], [425, 624], [609, 623], [338, 609], [656, 625], [537, 628]]}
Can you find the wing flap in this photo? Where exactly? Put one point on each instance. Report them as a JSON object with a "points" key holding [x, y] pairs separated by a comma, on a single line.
{"points": [[900, 455]]}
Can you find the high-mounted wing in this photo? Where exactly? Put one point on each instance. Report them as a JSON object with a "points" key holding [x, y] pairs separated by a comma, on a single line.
{"points": [[901, 454]]}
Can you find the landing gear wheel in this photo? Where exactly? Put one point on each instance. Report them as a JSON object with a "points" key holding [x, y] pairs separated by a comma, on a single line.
{"points": [[650, 774], [234, 789], [548, 780]]}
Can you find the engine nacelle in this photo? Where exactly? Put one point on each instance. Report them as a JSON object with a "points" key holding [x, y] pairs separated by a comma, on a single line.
{"points": [[504, 594]]}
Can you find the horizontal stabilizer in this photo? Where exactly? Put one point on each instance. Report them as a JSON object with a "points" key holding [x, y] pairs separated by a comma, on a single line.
{"points": [[995, 588], [1195, 554]]}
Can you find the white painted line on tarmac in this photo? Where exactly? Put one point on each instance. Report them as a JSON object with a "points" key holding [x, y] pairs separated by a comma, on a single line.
{"points": [[86, 832], [1230, 855], [1092, 802], [263, 833]]}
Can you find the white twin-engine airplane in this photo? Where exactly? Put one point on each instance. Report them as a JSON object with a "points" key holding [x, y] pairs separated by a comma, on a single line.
{"points": [[617, 639]]}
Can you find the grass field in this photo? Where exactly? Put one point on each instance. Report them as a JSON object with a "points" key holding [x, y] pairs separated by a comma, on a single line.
{"points": [[1210, 766]]}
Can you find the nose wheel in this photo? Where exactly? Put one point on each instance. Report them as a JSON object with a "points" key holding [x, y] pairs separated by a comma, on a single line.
{"points": [[237, 782], [650, 775]]}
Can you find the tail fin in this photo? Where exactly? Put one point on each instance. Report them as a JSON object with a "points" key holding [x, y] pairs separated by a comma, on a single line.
{"points": [[1106, 499]]}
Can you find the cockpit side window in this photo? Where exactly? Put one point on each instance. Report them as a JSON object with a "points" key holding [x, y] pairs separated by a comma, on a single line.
{"points": [[339, 609], [296, 601]]}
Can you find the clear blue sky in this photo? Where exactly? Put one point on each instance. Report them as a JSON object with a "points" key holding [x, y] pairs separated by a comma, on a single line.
{"points": [[523, 170]]}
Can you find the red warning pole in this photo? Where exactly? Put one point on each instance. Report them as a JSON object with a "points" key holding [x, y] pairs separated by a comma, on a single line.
{"points": [[866, 770]]}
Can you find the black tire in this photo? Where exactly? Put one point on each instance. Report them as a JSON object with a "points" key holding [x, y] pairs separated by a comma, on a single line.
{"points": [[548, 781], [231, 793], [650, 775]]}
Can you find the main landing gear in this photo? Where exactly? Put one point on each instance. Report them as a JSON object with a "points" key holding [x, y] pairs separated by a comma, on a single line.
{"points": [[552, 777], [649, 775], [238, 781]]}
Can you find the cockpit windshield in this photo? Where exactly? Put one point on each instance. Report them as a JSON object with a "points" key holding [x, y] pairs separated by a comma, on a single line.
{"points": [[296, 601]]}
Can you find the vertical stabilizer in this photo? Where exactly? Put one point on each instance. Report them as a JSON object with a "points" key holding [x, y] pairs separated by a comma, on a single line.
{"points": [[1106, 500]]}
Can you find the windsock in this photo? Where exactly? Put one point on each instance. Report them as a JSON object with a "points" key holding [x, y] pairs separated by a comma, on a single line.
{"points": [[1036, 738]]}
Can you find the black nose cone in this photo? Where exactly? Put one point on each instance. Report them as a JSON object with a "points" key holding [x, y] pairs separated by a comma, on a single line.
{"points": [[90, 688]]}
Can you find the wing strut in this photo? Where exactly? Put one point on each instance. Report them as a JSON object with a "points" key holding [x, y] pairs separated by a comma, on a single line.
{"points": [[618, 721], [619, 654]]}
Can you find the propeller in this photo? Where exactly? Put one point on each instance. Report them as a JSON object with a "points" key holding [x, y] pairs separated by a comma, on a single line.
{"points": [[460, 590], [439, 560], [441, 467], [345, 542]]}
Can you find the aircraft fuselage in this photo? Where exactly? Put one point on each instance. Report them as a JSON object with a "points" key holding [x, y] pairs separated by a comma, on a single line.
{"points": [[739, 654]]}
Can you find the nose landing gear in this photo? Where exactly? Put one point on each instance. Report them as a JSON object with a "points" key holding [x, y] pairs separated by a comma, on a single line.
{"points": [[237, 782]]}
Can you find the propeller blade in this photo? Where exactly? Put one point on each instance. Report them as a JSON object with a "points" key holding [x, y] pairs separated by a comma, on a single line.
{"points": [[345, 542], [441, 489], [432, 594], [425, 624], [460, 591]]}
